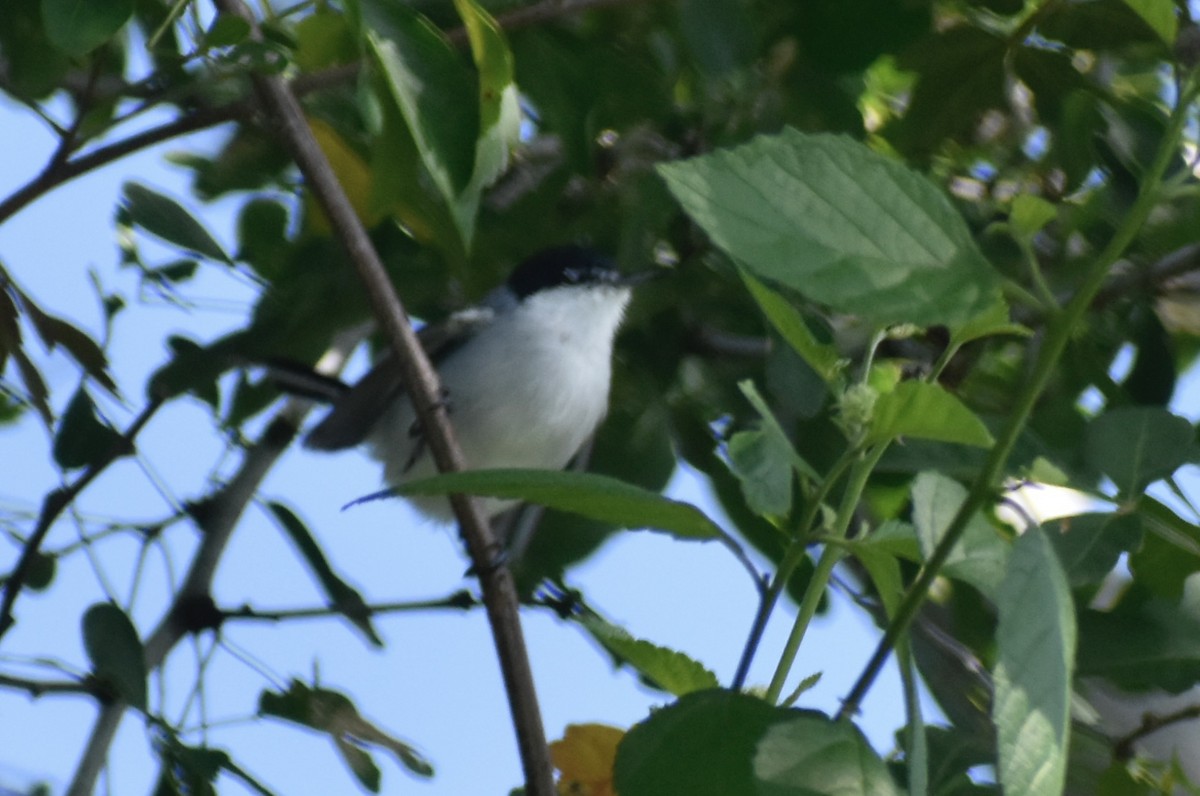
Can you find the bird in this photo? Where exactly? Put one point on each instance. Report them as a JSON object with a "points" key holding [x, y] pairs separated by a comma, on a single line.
{"points": [[525, 377]]}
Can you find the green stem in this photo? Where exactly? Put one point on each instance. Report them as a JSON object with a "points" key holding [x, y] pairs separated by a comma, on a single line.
{"points": [[829, 557], [1058, 333], [917, 752], [791, 559]]}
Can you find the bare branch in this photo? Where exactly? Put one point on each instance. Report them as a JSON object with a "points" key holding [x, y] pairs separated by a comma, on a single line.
{"points": [[37, 688], [52, 507], [499, 589]]}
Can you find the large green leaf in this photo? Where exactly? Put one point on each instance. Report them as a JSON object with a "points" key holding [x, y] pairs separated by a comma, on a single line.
{"points": [[702, 745], [814, 756], [1145, 642], [1035, 639], [925, 411], [1137, 445], [843, 225], [79, 26], [980, 556], [1089, 545], [116, 652], [430, 85], [499, 103], [596, 496]]}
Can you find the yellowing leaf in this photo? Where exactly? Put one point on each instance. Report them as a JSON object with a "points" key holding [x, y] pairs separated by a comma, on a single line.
{"points": [[585, 757], [352, 173]]}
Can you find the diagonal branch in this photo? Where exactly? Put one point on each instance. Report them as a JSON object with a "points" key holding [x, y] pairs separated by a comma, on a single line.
{"points": [[499, 589]]}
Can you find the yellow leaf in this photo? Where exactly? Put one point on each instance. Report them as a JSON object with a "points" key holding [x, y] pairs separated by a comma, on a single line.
{"points": [[584, 758], [352, 173]]}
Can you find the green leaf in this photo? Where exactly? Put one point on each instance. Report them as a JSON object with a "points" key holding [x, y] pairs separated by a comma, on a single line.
{"points": [[771, 426], [83, 349], [719, 35], [980, 556], [702, 745], [1089, 545], [342, 596], [333, 713], [116, 653], [79, 26], [960, 75], [596, 496], [1159, 15], [815, 756], [1170, 552], [1035, 638], [787, 320], [926, 411], [662, 668], [226, 30], [884, 570], [82, 440], [432, 89], [992, 322], [1029, 214], [764, 470], [323, 39], [165, 218], [841, 224], [1138, 445], [1143, 643], [499, 103]]}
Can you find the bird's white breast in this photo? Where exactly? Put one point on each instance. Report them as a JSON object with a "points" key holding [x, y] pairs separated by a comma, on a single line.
{"points": [[526, 392]]}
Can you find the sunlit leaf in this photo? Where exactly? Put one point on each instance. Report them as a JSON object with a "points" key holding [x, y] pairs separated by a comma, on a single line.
{"points": [[926, 411], [841, 224], [667, 669], [597, 496], [980, 556], [1033, 675]]}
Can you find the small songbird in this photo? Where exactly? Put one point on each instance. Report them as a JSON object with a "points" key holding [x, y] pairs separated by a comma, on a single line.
{"points": [[525, 375]]}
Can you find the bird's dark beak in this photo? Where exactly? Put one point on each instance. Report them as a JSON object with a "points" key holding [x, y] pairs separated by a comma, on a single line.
{"points": [[640, 277]]}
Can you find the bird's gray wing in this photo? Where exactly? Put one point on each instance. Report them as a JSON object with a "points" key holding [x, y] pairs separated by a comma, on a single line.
{"points": [[356, 411]]}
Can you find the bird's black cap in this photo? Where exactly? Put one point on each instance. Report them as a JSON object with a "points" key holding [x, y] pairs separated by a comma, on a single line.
{"points": [[562, 265]]}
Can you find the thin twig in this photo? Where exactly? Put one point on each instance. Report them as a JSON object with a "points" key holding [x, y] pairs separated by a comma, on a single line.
{"points": [[218, 517], [53, 505], [459, 600], [1152, 723], [37, 688]]}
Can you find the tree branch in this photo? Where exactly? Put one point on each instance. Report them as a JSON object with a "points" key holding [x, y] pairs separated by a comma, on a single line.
{"points": [[53, 505], [1152, 723], [218, 517], [37, 688], [499, 589]]}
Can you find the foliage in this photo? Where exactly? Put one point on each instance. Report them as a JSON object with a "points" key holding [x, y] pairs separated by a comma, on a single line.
{"points": [[920, 251]]}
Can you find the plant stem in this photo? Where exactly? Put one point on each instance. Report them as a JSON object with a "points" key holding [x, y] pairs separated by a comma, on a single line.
{"points": [[1058, 333], [830, 556], [791, 559]]}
